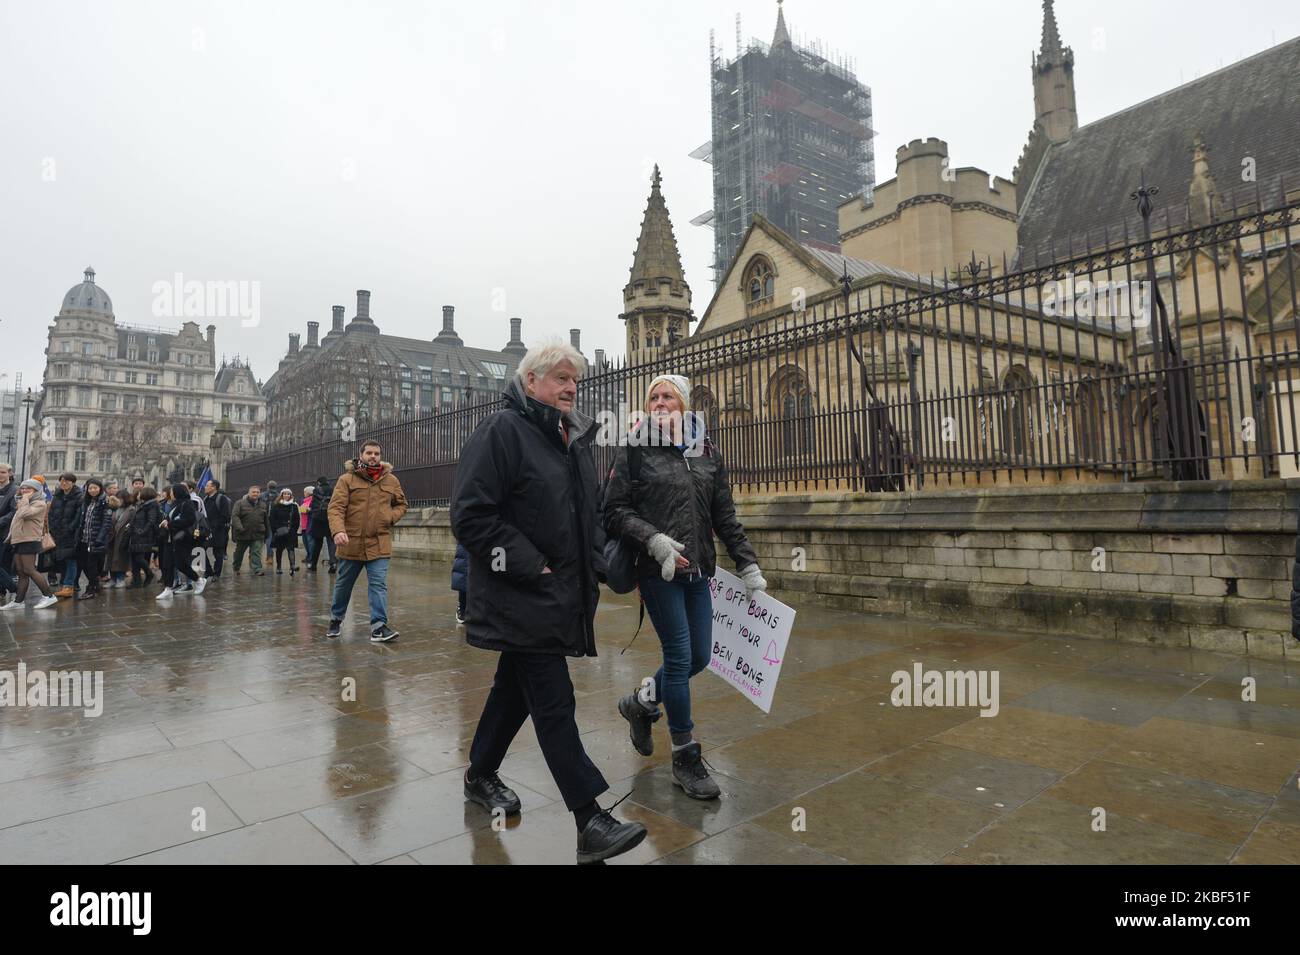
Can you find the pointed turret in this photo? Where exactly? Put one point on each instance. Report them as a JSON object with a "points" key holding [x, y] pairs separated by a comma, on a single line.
{"points": [[782, 36], [1053, 71], [656, 299]]}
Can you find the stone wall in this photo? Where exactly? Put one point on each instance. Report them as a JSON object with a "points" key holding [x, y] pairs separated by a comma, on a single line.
{"points": [[1204, 565]]}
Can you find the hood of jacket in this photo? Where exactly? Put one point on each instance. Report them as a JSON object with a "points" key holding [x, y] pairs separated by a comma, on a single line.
{"points": [[352, 466], [547, 417]]}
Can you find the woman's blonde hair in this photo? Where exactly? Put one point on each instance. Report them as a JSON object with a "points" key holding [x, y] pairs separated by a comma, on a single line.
{"points": [[678, 383]]}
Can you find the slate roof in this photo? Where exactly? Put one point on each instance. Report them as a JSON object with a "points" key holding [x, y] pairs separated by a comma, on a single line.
{"points": [[1248, 109]]}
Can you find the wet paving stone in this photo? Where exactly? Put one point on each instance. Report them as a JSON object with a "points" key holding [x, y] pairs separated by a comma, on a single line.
{"points": [[233, 707]]}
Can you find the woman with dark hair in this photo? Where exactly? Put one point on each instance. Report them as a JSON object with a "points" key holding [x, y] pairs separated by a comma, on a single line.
{"points": [[95, 522], [119, 541], [142, 535], [178, 530]]}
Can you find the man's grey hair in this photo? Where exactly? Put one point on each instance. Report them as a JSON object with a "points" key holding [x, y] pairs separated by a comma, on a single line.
{"points": [[542, 359]]}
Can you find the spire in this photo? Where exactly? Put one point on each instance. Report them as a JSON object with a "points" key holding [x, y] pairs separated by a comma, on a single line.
{"points": [[656, 255], [1053, 72], [782, 35], [1051, 35], [1205, 204]]}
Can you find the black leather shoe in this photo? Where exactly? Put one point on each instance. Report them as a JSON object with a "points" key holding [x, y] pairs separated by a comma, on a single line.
{"points": [[639, 722], [605, 837], [491, 793]]}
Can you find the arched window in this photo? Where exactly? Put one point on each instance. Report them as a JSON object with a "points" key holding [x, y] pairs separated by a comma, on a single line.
{"points": [[790, 405], [706, 406], [1017, 418], [1089, 428], [759, 284]]}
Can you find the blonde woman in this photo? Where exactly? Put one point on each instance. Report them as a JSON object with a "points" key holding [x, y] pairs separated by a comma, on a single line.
{"points": [[25, 533], [680, 497]]}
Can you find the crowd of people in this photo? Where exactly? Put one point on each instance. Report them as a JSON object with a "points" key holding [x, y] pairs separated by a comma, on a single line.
{"points": [[74, 540], [531, 518]]}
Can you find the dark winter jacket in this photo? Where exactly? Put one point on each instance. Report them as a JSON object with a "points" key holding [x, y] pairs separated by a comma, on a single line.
{"points": [[285, 515], [145, 534], [182, 517], [318, 518], [248, 520], [460, 570], [217, 506], [95, 523], [524, 501], [8, 503], [682, 493], [65, 512]]}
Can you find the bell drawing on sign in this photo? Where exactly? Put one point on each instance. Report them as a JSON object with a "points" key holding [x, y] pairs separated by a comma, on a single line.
{"points": [[770, 656]]}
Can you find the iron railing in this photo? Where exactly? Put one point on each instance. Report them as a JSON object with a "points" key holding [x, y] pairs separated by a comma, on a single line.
{"points": [[1172, 356]]}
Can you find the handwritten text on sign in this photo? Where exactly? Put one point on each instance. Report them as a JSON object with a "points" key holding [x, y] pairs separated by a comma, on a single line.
{"points": [[749, 638]]}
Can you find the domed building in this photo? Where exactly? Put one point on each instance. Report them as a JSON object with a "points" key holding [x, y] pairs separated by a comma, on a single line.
{"points": [[121, 400]]}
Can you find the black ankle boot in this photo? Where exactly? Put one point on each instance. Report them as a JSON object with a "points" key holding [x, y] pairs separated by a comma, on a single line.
{"points": [[639, 722], [689, 773]]}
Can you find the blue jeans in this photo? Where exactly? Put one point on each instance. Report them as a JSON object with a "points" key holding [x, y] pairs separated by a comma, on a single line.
{"points": [[682, 614], [376, 588], [311, 543], [70, 573]]}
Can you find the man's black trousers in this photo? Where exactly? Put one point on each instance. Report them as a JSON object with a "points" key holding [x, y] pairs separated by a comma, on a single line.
{"points": [[536, 685]]}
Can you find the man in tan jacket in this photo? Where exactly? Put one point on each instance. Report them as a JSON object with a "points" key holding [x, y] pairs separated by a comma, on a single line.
{"points": [[367, 501]]}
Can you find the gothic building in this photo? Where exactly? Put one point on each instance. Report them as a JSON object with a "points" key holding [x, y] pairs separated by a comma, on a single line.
{"points": [[966, 376]]}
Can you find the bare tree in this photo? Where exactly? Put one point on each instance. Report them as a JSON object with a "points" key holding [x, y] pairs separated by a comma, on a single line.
{"points": [[140, 441], [313, 398]]}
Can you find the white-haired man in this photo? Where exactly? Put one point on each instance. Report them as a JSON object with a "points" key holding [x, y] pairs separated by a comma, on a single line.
{"points": [[524, 508]]}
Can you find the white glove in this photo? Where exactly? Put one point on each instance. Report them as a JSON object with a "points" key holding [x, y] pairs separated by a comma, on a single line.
{"points": [[664, 550], [753, 579]]}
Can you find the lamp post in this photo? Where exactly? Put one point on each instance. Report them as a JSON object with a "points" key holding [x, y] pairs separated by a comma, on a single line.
{"points": [[28, 401]]}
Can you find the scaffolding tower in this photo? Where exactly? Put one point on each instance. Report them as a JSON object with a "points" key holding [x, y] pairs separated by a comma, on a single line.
{"points": [[792, 140]]}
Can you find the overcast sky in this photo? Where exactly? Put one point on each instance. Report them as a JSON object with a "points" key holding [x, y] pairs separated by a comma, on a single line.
{"points": [[494, 156]]}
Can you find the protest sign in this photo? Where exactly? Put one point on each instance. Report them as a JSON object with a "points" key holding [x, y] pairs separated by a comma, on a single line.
{"points": [[749, 638]]}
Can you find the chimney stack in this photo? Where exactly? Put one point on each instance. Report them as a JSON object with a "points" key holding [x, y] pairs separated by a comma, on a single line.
{"points": [[448, 334], [363, 305], [574, 335], [338, 318], [293, 343], [212, 334], [515, 346], [313, 334], [600, 359]]}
